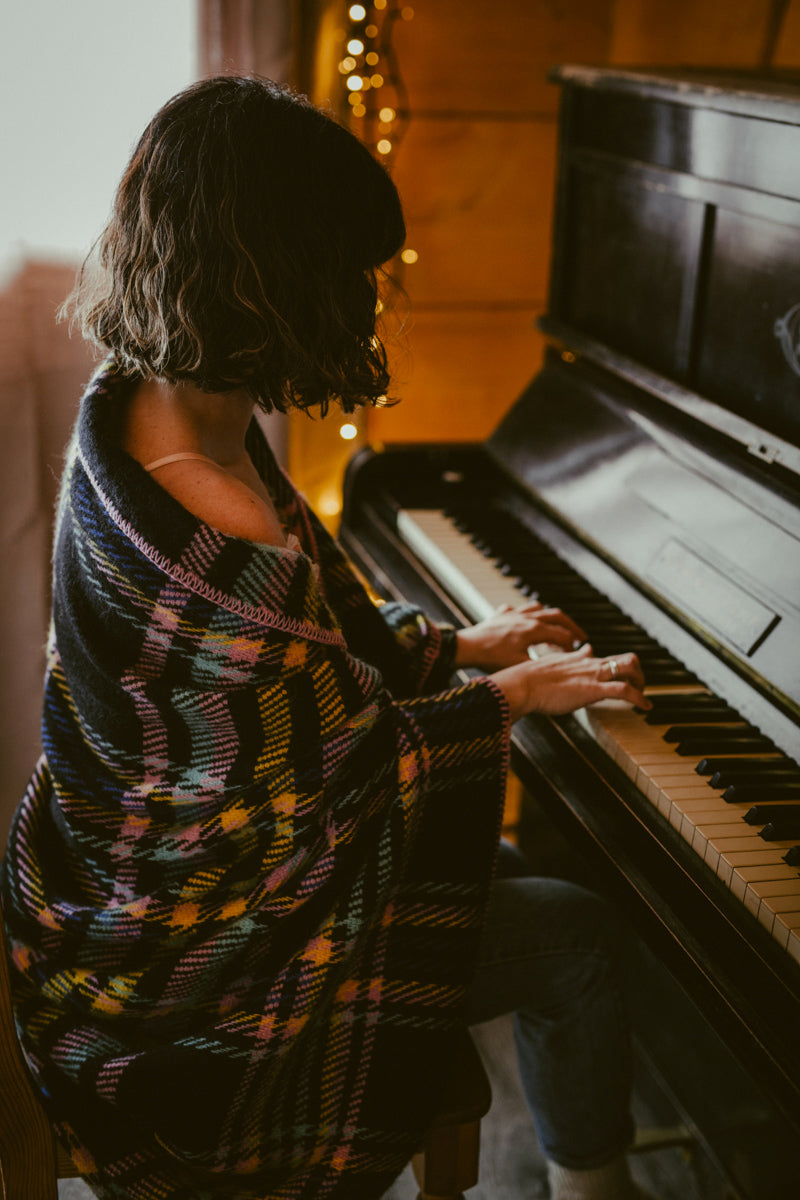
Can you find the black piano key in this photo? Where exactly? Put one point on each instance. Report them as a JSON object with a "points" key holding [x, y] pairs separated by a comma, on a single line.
{"points": [[781, 831], [662, 676], [688, 700], [674, 716], [733, 732], [780, 773], [692, 747], [755, 793], [762, 814], [792, 856], [709, 766]]}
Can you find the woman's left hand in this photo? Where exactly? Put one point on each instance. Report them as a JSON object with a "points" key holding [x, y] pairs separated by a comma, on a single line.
{"points": [[504, 638]]}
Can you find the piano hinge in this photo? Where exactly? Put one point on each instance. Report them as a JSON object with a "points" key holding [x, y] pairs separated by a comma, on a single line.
{"points": [[769, 454]]}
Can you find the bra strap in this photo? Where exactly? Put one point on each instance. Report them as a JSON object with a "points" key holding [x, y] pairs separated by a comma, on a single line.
{"points": [[181, 456]]}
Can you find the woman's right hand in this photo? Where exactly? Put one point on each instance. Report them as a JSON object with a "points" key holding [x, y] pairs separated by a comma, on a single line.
{"points": [[560, 683]]}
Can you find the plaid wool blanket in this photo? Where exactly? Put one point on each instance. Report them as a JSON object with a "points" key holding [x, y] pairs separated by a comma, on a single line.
{"points": [[244, 889]]}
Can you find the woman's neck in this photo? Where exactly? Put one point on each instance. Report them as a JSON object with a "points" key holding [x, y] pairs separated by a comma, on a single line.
{"points": [[165, 417]]}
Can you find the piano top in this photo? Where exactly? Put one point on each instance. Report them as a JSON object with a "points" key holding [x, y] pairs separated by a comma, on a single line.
{"points": [[676, 246], [772, 96]]}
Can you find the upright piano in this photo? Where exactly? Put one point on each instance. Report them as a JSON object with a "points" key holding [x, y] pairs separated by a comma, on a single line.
{"points": [[648, 482]]}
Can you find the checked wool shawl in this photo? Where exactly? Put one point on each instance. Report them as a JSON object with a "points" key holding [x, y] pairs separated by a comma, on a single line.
{"points": [[244, 890]]}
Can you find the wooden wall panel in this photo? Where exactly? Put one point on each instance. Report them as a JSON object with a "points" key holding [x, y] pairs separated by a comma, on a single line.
{"points": [[700, 32], [476, 173], [462, 56], [477, 196], [457, 374]]}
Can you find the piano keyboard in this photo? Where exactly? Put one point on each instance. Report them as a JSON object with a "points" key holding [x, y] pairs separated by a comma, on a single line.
{"points": [[731, 795]]}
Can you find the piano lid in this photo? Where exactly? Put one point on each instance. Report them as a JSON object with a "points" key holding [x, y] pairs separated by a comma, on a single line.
{"points": [[677, 244]]}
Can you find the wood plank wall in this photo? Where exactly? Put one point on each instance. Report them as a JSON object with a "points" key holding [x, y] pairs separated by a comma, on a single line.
{"points": [[476, 173]]}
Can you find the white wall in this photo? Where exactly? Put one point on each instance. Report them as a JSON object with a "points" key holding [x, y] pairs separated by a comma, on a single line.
{"points": [[79, 80]]}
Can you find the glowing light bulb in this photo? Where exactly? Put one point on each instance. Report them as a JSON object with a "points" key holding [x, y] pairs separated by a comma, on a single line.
{"points": [[347, 65], [376, 80], [355, 83], [371, 31], [409, 256], [358, 12], [359, 110], [379, 4], [354, 46], [387, 115], [373, 59], [348, 431], [329, 503], [355, 99], [407, 13], [384, 146]]}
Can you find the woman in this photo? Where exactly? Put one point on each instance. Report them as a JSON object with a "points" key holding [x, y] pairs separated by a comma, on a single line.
{"points": [[246, 888]]}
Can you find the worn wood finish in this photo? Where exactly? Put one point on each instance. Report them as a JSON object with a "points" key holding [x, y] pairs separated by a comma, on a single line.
{"points": [[28, 1155]]}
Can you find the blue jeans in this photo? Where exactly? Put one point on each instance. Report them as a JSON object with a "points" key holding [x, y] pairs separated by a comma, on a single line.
{"points": [[550, 955]]}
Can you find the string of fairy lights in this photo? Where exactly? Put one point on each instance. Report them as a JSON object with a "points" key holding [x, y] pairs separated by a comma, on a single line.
{"points": [[375, 99], [375, 90]]}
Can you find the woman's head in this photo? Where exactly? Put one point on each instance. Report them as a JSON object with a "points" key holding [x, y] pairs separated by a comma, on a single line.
{"points": [[243, 248]]}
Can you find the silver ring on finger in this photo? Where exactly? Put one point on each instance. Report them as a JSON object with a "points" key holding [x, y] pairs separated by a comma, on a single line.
{"points": [[613, 667]]}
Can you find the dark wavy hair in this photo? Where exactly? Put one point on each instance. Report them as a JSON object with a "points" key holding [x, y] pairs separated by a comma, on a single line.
{"points": [[243, 251]]}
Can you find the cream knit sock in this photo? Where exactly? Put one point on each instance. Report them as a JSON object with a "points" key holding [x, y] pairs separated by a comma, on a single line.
{"points": [[610, 1182]]}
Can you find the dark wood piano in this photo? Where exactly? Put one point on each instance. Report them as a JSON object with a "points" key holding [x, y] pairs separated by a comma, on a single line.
{"points": [[648, 482]]}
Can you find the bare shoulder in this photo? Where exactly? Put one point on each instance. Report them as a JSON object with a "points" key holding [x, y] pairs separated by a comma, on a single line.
{"points": [[213, 495]]}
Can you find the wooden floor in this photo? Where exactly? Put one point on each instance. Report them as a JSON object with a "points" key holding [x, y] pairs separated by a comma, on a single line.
{"points": [[512, 1166]]}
